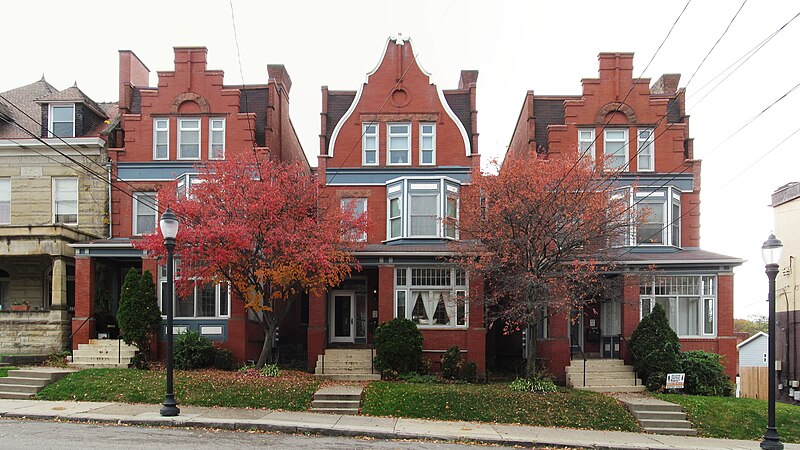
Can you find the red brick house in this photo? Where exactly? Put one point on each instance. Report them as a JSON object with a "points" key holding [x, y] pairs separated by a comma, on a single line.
{"points": [[641, 131], [165, 131], [401, 150]]}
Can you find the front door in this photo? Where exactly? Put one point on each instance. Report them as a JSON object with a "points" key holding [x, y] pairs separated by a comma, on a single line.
{"points": [[342, 317], [576, 331]]}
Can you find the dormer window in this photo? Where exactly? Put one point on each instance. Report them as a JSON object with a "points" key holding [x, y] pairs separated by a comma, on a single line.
{"points": [[62, 120]]}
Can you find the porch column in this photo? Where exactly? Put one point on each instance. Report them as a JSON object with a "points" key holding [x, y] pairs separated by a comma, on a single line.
{"points": [[85, 281], [631, 306], [59, 285], [385, 293], [316, 327]]}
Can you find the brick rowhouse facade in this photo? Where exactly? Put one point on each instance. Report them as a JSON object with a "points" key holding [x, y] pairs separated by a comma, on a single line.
{"points": [[402, 150], [622, 120], [189, 118]]}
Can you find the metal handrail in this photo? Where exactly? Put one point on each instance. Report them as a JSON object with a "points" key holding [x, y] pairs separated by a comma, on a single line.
{"points": [[628, 346], [72, 355], [583, 355]]}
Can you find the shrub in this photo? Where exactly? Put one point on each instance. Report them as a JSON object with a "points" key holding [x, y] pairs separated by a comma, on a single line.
{"points": [[138, 316], [223, 359], [414, 377], [389, 375], [426, 366], [139, 362], [399, 346], [58, 359], [533, 385], [656, 348], [705, 374], [469, 372], [193, 351], [271, 370], [451, 363]]}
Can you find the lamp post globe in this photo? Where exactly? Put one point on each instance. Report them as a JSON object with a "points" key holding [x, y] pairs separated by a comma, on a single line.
{"points": [[771, 252], [169, 229]]}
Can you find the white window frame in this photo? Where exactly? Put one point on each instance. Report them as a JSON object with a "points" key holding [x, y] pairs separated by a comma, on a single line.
{"points": [[196, 296], [390, 217], [626, 148], [587, 142], [211, 130], [650, 143], [390, 135], [422, 149], [701, 295], [50, 118], [160, 124], [405, 188], [5, 198], [54, 197], [362, 236], [453, 288], [199, 131], [668, 199], [136, 201], [364, 149], [438, 214]]}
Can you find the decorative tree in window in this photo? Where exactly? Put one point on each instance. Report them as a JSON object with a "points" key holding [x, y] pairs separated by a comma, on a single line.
{"points": [[418, 314], [440, 316]]}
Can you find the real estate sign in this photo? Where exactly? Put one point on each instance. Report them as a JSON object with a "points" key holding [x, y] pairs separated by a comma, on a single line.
{"points": [[675, 380]]}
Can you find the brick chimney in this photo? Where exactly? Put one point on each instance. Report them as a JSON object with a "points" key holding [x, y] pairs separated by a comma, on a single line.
{"points": [[618, 68], [188, 61], [467, 77], [280, 75], [132, 72], [667, 84]]}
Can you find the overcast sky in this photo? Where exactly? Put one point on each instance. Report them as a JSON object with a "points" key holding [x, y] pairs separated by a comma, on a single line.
{"points": [[517, 46]]}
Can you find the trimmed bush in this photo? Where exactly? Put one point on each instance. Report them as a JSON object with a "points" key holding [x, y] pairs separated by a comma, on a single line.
{"points": [[399, 346], [469, 372], [138, 316], [223, 359], [451, 363], [193, 351], [705, 374], [656, 348]]}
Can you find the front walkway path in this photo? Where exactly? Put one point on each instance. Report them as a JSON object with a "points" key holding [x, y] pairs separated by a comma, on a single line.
{"points": [[376, 427]]}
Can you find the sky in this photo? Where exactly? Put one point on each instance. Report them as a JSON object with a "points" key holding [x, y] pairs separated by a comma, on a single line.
{"points": [[547, 47]]}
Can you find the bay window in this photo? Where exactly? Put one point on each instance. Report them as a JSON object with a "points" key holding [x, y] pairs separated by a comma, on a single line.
{"points": [[432, 296], [422, 208], [204, 300], [688, 301], [657, 214]]}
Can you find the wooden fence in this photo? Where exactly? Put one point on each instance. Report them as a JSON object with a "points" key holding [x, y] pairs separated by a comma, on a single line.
{"points": [[754, 382]]}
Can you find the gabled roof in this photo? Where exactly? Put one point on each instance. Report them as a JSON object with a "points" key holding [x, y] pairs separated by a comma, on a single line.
{"points": [[73, 94], [751, 339], [23, 98]]}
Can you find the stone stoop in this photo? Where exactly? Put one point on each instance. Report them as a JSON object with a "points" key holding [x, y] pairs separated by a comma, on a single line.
{"points": [[346, 365], [25, 383], [345, 400], [657, 416], [103, 353], [603, 375]]}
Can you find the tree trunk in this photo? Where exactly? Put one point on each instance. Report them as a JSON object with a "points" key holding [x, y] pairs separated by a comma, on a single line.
{"points": [[269, 338], [530, 367]]}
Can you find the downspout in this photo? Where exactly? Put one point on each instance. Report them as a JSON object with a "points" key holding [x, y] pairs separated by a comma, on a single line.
{"points": [[789, 373], [109, 165]]}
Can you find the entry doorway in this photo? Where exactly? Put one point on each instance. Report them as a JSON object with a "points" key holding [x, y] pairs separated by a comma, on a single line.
{"points": [[347, 317]]}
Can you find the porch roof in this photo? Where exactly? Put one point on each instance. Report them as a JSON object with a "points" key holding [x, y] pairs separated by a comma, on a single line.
{"points": [[112, 247], [672, 256]]}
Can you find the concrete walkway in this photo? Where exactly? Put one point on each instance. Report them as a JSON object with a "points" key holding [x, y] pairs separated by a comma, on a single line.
{"points": [[376, 427]]}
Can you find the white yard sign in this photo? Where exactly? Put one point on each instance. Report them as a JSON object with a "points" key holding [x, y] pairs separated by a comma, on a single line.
{"points": [[675, 380]]}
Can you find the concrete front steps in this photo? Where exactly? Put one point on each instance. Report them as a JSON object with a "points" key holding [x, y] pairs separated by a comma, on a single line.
{"points": [[603, 375], [657, 416], [345, 364], [345, 400], [23, 384], [103, 353]]}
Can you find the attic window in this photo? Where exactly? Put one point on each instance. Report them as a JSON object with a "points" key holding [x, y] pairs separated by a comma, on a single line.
{"points": [[62, 120]]}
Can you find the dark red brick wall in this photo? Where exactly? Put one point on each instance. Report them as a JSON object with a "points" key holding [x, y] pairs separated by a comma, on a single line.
{"points": [[85, 281]]}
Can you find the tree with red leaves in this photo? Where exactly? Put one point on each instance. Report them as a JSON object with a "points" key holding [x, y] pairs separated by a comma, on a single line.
{"points": [[257, 227], [539, 232]]}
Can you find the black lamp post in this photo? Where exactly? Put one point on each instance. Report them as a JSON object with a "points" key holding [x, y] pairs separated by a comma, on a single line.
{"points": [[169, 228], [771, 251]]}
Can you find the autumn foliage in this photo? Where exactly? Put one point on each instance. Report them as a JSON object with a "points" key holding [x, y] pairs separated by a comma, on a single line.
{"points": [[538, 233], [257, 226]]}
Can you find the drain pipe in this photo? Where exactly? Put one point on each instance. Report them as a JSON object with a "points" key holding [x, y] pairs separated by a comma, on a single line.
{"points": [[110, 166]]}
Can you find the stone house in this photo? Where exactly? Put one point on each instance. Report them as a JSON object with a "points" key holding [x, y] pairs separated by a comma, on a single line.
{"points": [[54, 191]]}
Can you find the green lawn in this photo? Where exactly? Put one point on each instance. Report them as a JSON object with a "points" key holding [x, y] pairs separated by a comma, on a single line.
{"points": [[496, 403], [737, 418], [292, 391], [4, 370]]}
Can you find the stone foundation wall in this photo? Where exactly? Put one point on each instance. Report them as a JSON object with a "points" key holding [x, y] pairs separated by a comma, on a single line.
{"points": [[33, 332]]}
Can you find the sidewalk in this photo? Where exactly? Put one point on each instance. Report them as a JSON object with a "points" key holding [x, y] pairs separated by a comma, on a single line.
{"points": [[375, 427]]}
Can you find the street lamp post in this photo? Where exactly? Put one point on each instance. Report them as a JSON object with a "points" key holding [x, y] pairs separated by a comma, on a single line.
{"points": [[169, 228], [771, 251]]}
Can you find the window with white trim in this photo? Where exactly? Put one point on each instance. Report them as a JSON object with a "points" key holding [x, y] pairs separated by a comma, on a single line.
{"points": [[432, 296], [451, 214], [204, 301], [659, 214], [427, 143], [646, 150], [423, 208], [62, 120], [586, 143], [369, 144], [395, 215], [185, 184], [358, 207], [65, 200], [689, 302], [423, 211], [189, 138], [399, 143], [160, 139], [216, 138], [616, 149], [145, 212], [5, 200]]}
